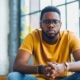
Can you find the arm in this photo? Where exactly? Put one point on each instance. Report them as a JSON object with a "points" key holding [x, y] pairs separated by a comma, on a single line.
{"points": [[60, 68], [21, 65], [23, 56], [75, 66], [75, 48]]}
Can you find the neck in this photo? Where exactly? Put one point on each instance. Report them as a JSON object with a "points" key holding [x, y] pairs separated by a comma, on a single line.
{"points": [[50, 41]]}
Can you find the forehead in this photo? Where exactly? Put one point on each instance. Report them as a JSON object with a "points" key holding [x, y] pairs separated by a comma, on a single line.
{"points": [[51, 15]]}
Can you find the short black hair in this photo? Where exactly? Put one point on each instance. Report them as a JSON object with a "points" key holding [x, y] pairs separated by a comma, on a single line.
{"points": [[49, 9]]}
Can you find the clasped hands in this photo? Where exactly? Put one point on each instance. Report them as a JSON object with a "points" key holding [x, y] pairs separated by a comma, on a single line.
{"points": [[52, 70]]}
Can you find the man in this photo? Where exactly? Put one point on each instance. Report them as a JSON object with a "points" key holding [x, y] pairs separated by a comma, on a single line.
{"points": [[51, 50]]}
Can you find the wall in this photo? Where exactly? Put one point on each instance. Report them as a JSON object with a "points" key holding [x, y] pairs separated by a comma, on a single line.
{"points": [[4, 30]]}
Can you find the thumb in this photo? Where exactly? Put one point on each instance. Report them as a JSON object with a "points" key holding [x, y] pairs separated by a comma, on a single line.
{"points": [[53, 66]]}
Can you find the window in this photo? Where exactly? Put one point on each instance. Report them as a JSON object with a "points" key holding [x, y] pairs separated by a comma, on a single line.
{"points": [[69, 13], [63, 18], [44, 3], [25, 8], [57, 2], [73, 17], [70, 0], [25, 27], [34, 5], [35, 18]]}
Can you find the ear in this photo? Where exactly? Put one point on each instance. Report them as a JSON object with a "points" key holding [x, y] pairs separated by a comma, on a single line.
{"points": [[41, 25], [60, 24]]}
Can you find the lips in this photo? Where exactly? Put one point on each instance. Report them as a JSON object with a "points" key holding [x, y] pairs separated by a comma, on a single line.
{"points": [[51, 31]]}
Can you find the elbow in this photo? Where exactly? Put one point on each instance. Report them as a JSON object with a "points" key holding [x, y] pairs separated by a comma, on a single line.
{"points": [[15, 67]]}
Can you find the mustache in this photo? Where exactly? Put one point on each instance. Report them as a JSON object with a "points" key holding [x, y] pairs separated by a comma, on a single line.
{"points": [[51, 30]]}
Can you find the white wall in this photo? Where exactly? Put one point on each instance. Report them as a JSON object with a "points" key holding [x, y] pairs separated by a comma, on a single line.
{"points": [[4, 30]]}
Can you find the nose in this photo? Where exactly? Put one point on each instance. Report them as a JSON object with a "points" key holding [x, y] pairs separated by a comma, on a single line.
{"points": [[51, 25]]}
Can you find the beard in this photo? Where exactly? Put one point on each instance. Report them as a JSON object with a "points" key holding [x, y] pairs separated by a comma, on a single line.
{"points": [[50, 37]]}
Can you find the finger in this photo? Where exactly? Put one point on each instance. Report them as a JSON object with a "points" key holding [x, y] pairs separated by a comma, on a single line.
{"points": [[48, 68], [52, 76], [57, 74], [55, 63], [51, 65], [48, 74], [53, 72]]}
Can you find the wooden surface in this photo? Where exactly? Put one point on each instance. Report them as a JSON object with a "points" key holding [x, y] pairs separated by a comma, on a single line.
{"points": [[3, 77]]}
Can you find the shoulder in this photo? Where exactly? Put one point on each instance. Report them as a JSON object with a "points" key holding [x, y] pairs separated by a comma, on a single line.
{"points": [[68, 33], [69, 36], [36, 34]]}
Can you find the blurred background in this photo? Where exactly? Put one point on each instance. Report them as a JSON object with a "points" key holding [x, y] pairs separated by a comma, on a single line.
{"points": [[19, 17]]}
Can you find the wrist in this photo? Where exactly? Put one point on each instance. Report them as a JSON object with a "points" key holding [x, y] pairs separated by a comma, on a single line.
{"points": [[62, 67], [40, 69], [66, 64]]}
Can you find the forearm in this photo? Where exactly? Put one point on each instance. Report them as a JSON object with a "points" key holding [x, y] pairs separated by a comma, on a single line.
{"points": [[74, 66], [25, 68]]}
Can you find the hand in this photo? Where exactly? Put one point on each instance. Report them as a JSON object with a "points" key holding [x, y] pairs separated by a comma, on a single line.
{"points": [[46, 71], [49, 70], [61, 69], [55, 69]]}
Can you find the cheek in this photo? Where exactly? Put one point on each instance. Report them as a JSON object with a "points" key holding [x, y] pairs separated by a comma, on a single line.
{"points": [[44, 27], [57, 29]]}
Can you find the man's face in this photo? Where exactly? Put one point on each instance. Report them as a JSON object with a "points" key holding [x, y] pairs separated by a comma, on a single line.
{"points": [[50, 24]]}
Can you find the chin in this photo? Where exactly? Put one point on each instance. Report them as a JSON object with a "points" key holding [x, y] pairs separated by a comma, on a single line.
{"points": [[51, 37]]}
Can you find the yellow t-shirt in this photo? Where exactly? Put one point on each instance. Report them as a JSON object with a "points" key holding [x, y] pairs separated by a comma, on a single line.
{"points": [[42, 52]]}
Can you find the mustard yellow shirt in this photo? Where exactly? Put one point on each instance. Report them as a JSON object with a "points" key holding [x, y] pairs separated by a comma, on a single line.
{"points": [[42, 52]]}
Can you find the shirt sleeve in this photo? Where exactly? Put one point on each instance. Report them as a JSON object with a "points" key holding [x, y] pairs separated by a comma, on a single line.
{"points": [[74, 42], [27, 44]]}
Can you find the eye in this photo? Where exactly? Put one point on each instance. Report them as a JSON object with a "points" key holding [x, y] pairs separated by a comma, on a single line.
{"points": [[47, 21], [55, 21]]}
